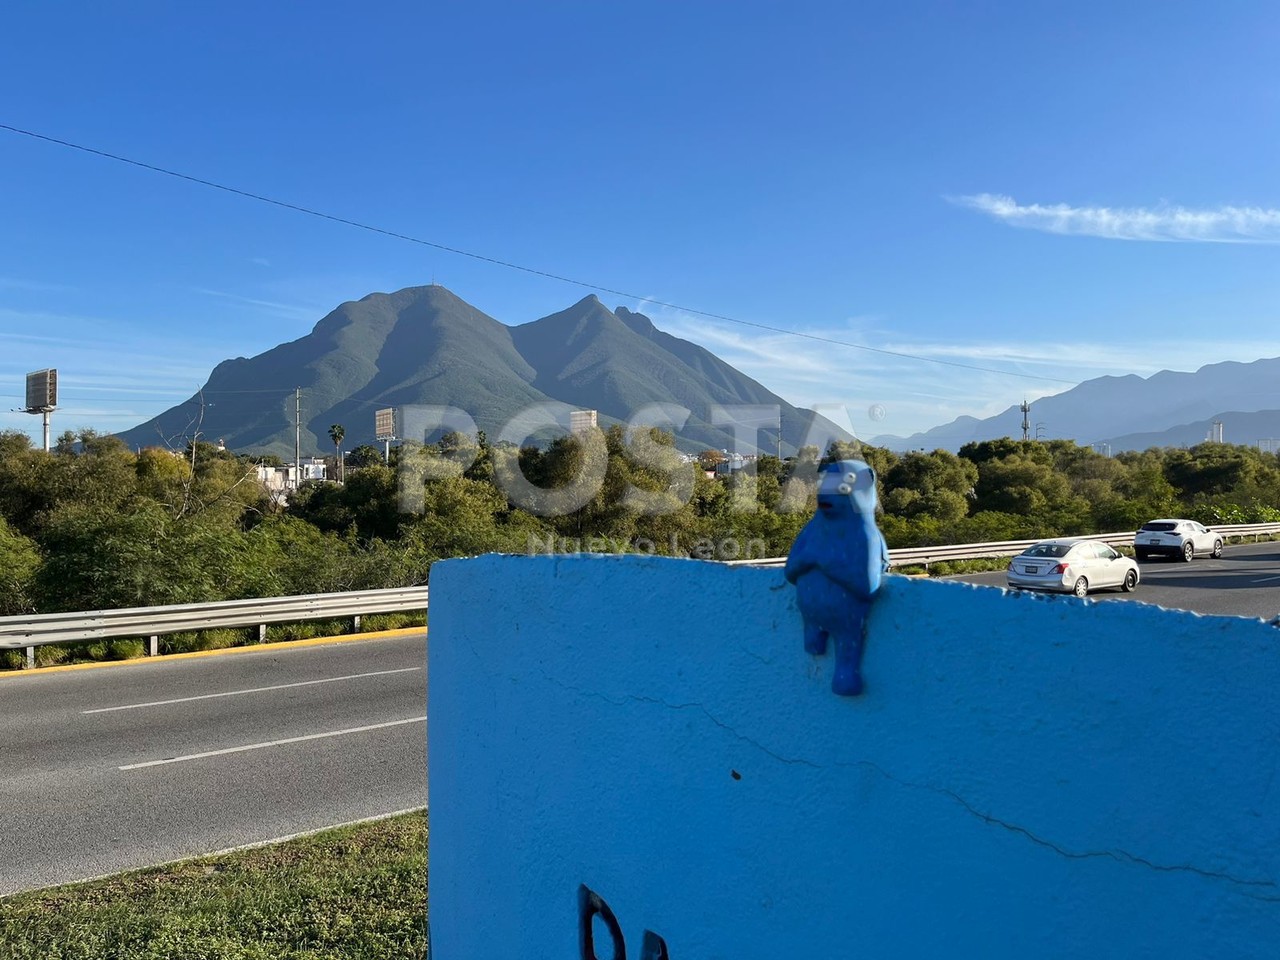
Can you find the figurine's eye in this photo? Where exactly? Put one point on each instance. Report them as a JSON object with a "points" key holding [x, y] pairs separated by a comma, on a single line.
{"points": [[845, 488], [850, 477]]}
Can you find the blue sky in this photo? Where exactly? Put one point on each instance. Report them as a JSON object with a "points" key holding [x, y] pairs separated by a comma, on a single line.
{"points": [[1053, 191]]}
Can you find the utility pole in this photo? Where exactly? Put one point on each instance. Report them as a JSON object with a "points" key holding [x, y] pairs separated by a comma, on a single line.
{"points": [[297, 437], [1026, 422]]}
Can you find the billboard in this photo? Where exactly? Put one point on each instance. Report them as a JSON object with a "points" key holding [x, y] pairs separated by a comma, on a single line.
{"points": [[42, 390], [384, 424]]}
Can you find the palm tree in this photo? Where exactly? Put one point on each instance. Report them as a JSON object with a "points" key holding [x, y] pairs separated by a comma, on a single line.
{"points": [[336, 433]]}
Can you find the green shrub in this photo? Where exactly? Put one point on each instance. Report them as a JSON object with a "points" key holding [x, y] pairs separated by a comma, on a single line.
{"points": [[375, 622], [306, 631], [193, 641], [121, 648], [52, 655]]}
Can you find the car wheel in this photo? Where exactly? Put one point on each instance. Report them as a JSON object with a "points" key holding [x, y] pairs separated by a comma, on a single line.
{"points": [[1130, 581], [1081, 588], [1217, 550], [1188, 551]]}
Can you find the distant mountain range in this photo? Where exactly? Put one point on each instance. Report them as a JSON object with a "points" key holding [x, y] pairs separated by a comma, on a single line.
{"points": [[424, 345], [1134, 413]]}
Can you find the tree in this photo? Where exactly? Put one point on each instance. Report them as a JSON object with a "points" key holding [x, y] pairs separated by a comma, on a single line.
{"points": [[368, 505], [1210, 469], [844, 450], [937, 485], [19, 562], [482, 467], [365, 455], [1027, 487], [336, 432]]}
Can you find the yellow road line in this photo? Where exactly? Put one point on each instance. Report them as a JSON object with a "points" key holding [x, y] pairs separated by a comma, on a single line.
{"points": [[251, 648]]}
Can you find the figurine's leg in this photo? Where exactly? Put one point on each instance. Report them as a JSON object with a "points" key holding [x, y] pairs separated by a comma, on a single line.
{"points": [[847, 679], [815, 638]]}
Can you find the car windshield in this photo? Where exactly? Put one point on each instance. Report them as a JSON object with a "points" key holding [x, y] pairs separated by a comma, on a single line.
{"points": [[1162, 526], [1048, 550]]}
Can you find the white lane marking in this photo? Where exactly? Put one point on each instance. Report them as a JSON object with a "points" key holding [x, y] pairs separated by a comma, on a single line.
{"points": [[237, 693], [271, 743], [1266, 579]]}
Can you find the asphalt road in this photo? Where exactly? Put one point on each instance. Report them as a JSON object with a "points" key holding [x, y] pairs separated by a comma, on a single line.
{"points": [[136, 764], [110, 769], [1244, 583]]}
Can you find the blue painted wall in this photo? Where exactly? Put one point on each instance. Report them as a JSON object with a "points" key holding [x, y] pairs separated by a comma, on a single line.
{"points": [[1023, 777]]}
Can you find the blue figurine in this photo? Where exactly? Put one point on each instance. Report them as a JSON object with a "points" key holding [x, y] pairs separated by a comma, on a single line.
{"points": [[837, 563]]}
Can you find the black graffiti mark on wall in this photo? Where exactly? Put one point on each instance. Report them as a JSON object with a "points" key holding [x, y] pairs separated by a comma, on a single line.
{"points": [[653, 947], [592, 905]]}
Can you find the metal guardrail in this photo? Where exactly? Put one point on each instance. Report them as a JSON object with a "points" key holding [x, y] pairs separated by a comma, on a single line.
{"points": [[923, 556], [38, 630], [153, 622]]}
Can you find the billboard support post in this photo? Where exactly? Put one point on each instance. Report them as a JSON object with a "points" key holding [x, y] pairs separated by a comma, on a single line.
{"points": [[42, 397], [385, 428]]}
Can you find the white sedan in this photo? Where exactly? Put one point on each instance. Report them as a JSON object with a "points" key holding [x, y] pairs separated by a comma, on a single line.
{"points": [[1070, 565], [1182, 539]]}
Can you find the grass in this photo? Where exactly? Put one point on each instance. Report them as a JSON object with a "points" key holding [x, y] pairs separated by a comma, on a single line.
{"points": [[355, 893]]}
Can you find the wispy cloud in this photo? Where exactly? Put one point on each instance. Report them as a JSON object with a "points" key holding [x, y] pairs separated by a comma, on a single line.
{"points": [[1166, 222], [1050, 358], [290, 311], [885, 394]]}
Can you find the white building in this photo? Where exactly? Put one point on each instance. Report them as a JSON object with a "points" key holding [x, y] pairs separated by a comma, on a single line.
{"points": [[581, 421]]}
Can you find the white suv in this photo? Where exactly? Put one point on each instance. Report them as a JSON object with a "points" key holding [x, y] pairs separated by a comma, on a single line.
{"points": [[1183, 539]]}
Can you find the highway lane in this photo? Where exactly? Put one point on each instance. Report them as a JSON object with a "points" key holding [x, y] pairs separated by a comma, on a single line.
{"points": [[109, 769], [1245, 582]]}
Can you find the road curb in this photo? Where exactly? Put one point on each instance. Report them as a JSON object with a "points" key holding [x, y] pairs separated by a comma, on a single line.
{"points": [[277, 645], [227, 851]]}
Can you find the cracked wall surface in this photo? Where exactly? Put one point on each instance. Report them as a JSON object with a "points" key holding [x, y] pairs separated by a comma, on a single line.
{"points": [[1024, 776]]}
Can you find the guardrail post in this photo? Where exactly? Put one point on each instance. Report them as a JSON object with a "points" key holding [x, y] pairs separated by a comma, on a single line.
{"points": [[31, 658], [153, 648], [355, 623], [262, 633]]}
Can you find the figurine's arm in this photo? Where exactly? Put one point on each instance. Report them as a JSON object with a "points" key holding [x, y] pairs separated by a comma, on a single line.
{"points": [[862, 566], [799, 560]]}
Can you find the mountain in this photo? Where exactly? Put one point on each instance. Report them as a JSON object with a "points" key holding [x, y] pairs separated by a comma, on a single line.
{"points": [[618, 362], [424, 345], [1258, 427], [1122, 411]]}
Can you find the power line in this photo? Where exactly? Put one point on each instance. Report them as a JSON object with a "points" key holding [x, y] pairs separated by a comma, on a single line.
{"points": [[297, 208]]}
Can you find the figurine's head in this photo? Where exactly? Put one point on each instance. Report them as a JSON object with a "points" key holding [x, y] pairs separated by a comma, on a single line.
{"points": [[847, 487]]}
